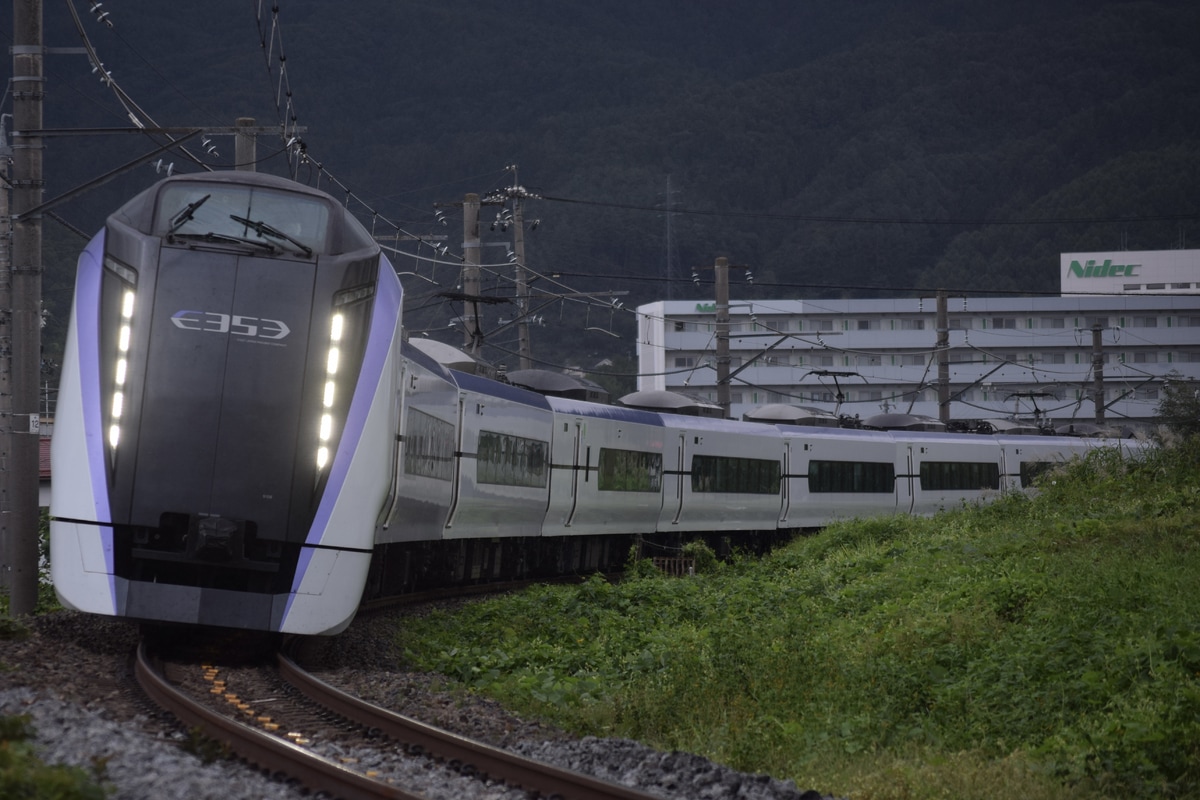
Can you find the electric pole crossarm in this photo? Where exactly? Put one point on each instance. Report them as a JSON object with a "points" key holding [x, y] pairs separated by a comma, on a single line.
{"points": [[754, 358], [189, 131]]}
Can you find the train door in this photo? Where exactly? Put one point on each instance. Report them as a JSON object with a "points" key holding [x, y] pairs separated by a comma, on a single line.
{"points": [[456, 488], [682, 455], [904, 483], [785, 484], [576, 447], [397, 424], [1008, 481]]}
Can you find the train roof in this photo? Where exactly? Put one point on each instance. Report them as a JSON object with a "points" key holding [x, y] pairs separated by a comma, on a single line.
{"points": [[558, 384], [506, 391], [792, 415], [447, 355], [670, 402], [570, 405], [717, 424]]}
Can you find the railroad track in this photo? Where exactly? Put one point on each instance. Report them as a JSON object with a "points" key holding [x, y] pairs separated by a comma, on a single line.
{"points": [[284, 751]]}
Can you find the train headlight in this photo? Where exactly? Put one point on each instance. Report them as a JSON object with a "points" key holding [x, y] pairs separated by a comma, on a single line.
{"points": [[121, 368], [329, 395]]}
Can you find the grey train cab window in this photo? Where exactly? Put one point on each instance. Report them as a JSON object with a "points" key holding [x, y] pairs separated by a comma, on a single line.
{"points": [[291, 222]]}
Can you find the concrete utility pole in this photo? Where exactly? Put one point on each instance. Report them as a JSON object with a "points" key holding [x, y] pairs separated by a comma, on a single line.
{"points": [[943, 357], [19, 429], [721, 272], [517, 193], [245, 145], [1098, 372], [5, 341], [523, 348], [472, 335]]}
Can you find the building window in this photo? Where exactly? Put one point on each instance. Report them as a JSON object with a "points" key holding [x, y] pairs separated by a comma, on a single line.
{"points": [[1054, 358], [821, 324], [1053, 322], [912, 324], [1145, 358], [1004, 323], [682, 362], [961, 323], [913, 360], [1145, 322]]}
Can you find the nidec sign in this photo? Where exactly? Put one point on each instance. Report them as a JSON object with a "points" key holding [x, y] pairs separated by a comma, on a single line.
{"points": [[1090, 269]]}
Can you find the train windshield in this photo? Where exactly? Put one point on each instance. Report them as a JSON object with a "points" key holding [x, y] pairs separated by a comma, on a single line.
{"points": [[274, 220]]}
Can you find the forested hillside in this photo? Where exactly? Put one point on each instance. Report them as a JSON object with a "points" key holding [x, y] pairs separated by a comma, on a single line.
{"points": [[834, 148]]}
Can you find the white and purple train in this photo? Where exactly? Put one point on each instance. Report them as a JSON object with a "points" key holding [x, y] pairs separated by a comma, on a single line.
{"points": [[244, 438]]}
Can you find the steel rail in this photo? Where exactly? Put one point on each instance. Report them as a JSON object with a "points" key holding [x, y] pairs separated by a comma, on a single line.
{"points": [[261, 748], [501, 765]]}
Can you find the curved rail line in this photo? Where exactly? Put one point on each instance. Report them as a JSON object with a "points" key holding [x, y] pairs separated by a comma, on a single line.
{"points": [[500, 765], [261, 748]]}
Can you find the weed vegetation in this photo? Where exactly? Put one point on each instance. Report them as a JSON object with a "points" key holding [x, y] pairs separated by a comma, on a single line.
{"points": [[23, 775], [1042, 647]]}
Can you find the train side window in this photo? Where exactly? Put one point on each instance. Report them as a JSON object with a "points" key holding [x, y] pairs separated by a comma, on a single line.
{"points": [[967, 476], [630, 471], [428, 446], [862, 477], [508, 460], [735, 475]]}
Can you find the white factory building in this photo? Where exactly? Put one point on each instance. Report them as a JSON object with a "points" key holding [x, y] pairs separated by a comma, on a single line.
{"points": [[1008, 356]]}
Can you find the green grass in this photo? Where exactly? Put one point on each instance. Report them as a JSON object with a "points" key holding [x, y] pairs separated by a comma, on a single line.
{"points": [[23, 775], [1045, 647]]}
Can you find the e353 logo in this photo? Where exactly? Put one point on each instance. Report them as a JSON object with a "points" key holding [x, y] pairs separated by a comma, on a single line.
{"points": [[236, 324]]}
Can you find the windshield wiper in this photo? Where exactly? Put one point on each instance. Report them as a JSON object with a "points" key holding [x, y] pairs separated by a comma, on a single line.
{"points": [[186, 214], [263, 229], [224, 238]]}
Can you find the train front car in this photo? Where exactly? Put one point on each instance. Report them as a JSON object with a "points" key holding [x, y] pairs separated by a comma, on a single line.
{"points": [[220, 453]]}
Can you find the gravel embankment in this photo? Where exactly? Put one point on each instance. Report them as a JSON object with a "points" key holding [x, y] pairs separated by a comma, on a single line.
{"points": [[73, 676]]}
